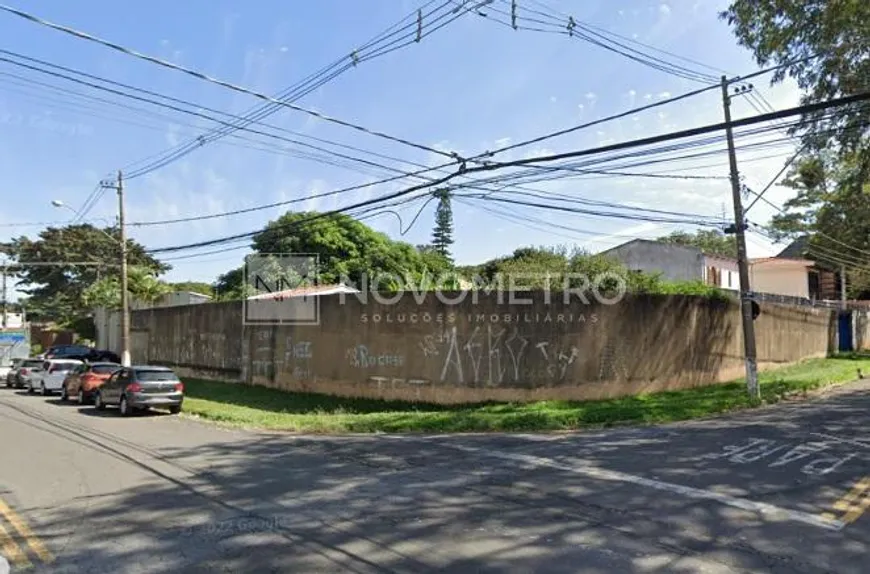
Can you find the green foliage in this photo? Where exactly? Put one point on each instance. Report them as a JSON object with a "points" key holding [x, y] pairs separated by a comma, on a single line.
{"points": [[56, 291], [830, 181], [442, 235], [261, 407], [711, 241], [142, 285], [836, 33], [347, 250]]}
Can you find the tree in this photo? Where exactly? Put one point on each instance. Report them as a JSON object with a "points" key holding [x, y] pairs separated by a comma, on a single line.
{"points": [[825, 46], [346, 249], [710, 241], [442, 235], [55, 290], [142, 285]]}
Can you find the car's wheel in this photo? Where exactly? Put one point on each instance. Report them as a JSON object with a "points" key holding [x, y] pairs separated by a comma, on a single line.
{"points": [[98, 402], [45, 392], [63, 396], [124, 408], [81, 397], [8, 384], [30, 389], [175, 409]]}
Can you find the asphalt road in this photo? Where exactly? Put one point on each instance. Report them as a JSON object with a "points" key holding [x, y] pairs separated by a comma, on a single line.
{"points": [[773, 490]]}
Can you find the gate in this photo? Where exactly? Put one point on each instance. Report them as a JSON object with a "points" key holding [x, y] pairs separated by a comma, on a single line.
{"points": [[844, 324]]}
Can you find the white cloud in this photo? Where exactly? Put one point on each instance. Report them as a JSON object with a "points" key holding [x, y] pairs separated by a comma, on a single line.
{"points": [[591, 96], [632, 93], [664, 10], [581, 106], [665, 95], [283, 49], [553, 99]]}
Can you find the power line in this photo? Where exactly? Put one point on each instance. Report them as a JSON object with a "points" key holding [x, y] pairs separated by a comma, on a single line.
{"points": [[307, 85], [548, 158], [225, 84]]}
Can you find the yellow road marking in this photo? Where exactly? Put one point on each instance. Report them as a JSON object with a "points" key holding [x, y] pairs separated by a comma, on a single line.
{"points": [[854, 503], [33, 542], [11, 550]]}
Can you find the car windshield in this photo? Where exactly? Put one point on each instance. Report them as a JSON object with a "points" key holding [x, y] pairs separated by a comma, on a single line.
{"points": [[104, 369], [155, 375], [32, 364]]}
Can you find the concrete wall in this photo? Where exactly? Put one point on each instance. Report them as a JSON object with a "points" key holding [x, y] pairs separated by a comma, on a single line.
{"points": [[780, 277], [674, 262], [200, 340], [490, 350]]}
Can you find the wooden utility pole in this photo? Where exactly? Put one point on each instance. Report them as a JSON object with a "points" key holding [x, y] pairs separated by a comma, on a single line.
{"points": [[125, 300], [742, 261], [843, 298]]}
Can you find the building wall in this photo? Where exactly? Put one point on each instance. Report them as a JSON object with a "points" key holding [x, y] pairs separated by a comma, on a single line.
{"points": [[721, 272], [482, 350], [779, 279], [674, 262]]}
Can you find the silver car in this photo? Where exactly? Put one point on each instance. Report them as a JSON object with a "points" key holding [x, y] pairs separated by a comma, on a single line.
{"points": [[141, 387]]}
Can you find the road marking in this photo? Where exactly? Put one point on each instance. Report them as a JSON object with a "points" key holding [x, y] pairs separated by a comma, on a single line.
{"points": [[854, 442], [26, 533], [11, 550], [763, 508], [854, 503]]}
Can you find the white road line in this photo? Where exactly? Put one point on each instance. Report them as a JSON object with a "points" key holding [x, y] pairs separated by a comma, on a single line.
{"points": [[853, 442], [687, 491]]}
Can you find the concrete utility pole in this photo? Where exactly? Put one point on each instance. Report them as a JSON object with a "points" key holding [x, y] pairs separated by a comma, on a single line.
{"points": [[125, 299], [5, 270], [843, 298], [742, 262]]}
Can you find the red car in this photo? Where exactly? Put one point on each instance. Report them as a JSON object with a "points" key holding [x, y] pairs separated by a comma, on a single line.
{"points": [[85, 379]]}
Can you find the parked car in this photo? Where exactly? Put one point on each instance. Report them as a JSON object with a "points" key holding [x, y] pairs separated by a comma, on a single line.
{"points": [[12, 374], [85, 379], [65, 351], [30, 369], [139, 388], [52, 375], [96, 356]]}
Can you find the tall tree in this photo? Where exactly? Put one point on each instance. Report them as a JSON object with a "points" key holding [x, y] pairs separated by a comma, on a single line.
{"points": [[56, 288], [709, 241], [825, 46], [142, 285], [192, 287], [345, 248], [442, 235]]}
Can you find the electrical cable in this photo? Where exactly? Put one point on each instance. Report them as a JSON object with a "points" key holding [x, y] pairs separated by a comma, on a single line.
{"points": [[216, 81]]}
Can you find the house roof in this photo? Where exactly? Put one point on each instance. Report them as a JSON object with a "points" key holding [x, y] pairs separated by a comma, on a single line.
{"points": [[661, 244], [308, 291], [797, 249], [782, 261]]}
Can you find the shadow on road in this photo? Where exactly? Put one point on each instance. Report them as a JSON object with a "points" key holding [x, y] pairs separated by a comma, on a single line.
{"points": [[283, 503]]}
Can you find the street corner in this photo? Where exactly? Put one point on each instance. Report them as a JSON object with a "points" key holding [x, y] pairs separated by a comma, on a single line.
{"points": [[20, 548]]}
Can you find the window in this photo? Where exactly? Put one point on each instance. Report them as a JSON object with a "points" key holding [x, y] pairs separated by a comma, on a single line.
{"points": [[155, 375], [104, 369]]}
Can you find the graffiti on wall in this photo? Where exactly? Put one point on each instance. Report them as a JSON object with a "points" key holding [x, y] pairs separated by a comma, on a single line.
{"points": [[269, 360], [362, 358], [493, 354]]}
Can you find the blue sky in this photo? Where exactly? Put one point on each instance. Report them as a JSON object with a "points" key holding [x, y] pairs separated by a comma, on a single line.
{"points": [[471, 86]]}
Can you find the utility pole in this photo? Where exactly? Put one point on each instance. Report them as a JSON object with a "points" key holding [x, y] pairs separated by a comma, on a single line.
{"points": [[742, 262], [843, 287], [125, 300], [5, 271]]}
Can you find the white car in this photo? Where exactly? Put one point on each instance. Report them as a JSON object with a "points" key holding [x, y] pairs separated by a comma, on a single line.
{"points": [[52, 375]]}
